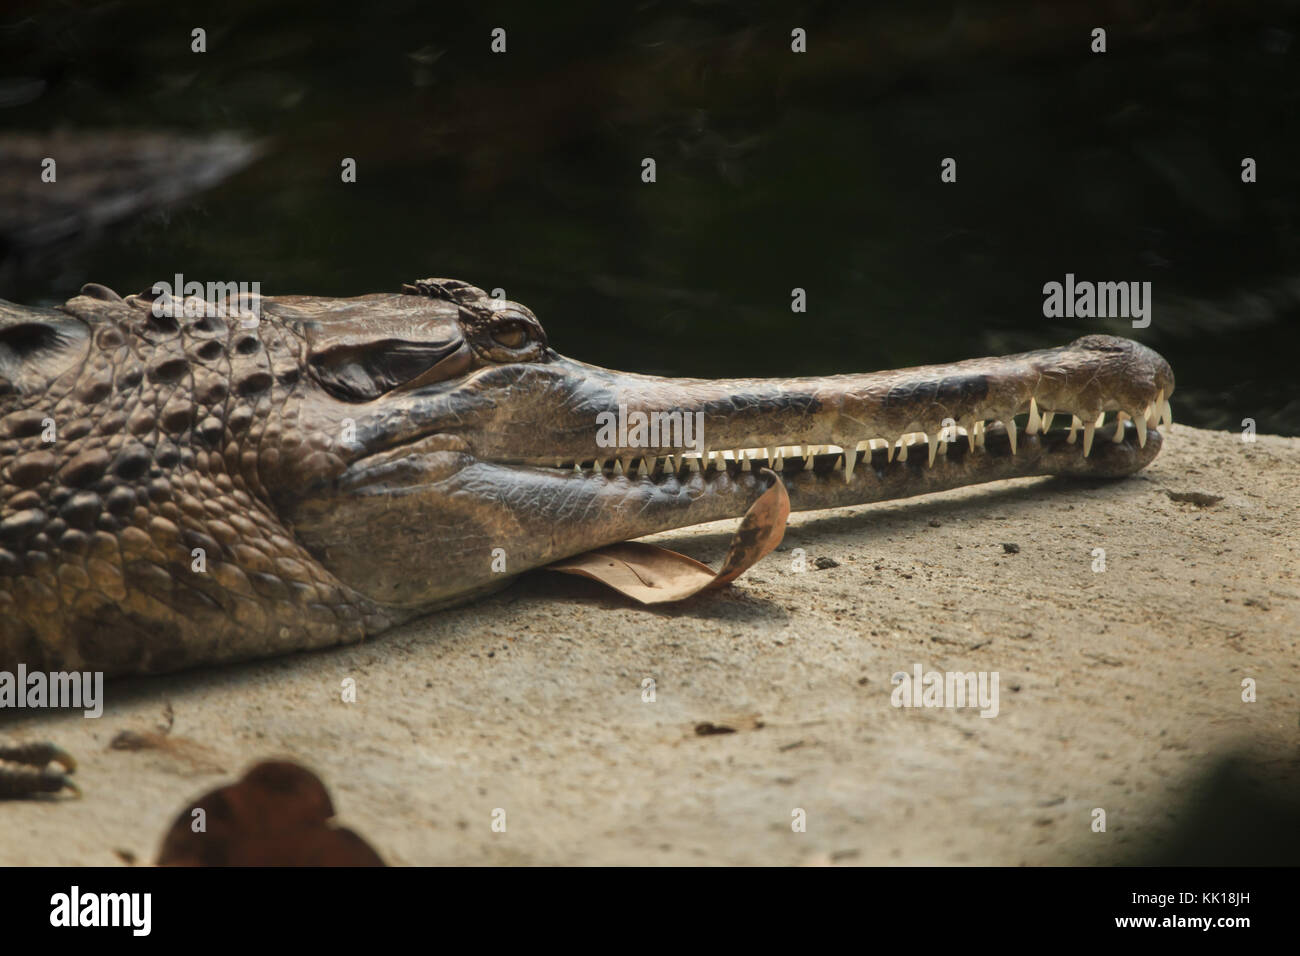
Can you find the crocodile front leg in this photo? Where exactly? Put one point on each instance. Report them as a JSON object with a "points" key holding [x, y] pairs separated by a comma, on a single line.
{"points": [[25, 770]]}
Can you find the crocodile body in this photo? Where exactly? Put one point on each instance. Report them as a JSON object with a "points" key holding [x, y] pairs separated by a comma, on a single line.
{"points": [[183, 489]]}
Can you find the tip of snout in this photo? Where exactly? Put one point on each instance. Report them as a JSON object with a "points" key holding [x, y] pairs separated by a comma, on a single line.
{"points": [[1143, 356]]}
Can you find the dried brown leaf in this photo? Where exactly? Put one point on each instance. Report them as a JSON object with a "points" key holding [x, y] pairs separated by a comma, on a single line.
{"points": [[279, 814], [654, 575]]}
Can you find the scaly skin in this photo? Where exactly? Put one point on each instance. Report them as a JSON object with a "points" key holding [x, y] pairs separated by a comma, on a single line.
{"points": [[214, 492]]}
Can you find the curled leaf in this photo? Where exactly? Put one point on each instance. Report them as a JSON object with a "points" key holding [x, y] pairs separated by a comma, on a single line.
{"points": [[654, 575]]}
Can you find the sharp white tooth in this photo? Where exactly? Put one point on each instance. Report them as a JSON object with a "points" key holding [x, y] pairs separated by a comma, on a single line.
{"points": [[934, 446], [778, 464], [890, 450], [1153, 411], [1167, 417], [618, 466], [1119, 427], [1088, 431], [1047, 420], [971, 435], [1075, 424], [1011, 434], [577, 467], [769, 456], [1141, 423], [850, 458], [902, 448], [1101, 419], [1031, 427], [693, 463]]}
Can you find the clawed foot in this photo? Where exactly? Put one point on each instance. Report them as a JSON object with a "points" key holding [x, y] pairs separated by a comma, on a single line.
{"points": [[25, 769]]}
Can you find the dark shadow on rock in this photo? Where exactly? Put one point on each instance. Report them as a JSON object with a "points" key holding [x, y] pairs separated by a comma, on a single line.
{"points": [[1242, 811]]}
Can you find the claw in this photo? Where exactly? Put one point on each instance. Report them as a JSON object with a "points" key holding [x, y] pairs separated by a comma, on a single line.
{"points": [[22, 781], [38, 754], [28, 770]]}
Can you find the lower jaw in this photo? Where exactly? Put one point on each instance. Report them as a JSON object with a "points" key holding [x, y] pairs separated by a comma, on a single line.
{"points": [[537, 515], [879, 475]]}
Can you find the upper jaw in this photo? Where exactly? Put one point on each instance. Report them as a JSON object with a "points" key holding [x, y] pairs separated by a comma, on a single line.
{"points": [[557, 414], [739, 420]]}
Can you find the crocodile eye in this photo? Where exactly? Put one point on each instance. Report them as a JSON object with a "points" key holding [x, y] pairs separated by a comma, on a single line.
{"points": [[512, 336]]}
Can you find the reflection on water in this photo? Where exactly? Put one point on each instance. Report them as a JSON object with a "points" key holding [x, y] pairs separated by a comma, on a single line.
{"points": [[775, 170]]}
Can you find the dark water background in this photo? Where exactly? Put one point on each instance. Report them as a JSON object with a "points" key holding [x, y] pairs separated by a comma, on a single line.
{"points": [[775, 170]]}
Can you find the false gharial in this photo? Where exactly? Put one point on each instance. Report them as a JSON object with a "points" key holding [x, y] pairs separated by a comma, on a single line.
{"points": [[195, 484]]}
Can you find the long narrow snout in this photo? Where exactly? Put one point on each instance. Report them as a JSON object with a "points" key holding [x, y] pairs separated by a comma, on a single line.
{"points": [[538, 462]]}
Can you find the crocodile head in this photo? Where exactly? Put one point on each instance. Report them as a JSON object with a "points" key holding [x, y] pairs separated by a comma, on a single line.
{"points": [[213, 491]]}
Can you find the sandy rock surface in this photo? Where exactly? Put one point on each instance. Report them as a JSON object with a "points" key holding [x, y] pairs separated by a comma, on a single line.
{"points": [[1117, 689]]}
